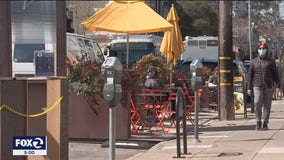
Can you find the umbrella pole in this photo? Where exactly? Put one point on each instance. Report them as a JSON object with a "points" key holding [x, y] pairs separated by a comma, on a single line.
{"points": [[171, 74], [127, 49]]}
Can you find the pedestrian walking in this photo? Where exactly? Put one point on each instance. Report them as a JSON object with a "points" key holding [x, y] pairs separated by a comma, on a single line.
{"points": [[262, 78]]}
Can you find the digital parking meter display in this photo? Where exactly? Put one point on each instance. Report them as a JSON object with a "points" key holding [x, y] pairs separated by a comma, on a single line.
{"points": [[107, 62]]}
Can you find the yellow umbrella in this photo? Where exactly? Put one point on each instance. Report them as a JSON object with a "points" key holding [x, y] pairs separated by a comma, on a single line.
{"points": [[172, 44], [130, 17]]}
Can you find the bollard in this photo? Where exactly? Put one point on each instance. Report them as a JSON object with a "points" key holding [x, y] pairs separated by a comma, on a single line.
{"points": [[196, 108], [184, 127], [180, 112], [177, 102]]}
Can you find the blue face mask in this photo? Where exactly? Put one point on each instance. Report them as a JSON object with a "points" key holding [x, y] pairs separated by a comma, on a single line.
{"points": [[261, 52]]}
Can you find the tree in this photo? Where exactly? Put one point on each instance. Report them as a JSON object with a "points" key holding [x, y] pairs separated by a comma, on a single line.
{"points": [[240, 33], [197, 18], [265, 18], [265, 23]]}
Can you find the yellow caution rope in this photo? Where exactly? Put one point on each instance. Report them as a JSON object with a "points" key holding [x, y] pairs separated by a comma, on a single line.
{"points": [[30, 115]]}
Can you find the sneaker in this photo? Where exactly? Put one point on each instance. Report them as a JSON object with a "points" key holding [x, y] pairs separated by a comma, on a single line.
{"points": [[265, 126], [258, 126]]}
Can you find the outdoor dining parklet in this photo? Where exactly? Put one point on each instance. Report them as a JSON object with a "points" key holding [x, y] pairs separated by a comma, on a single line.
{"points": [[153, 110]]}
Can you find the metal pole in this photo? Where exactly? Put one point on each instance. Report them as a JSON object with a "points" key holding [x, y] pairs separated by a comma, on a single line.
{"points": [[249, 27], [244, 96], [127, 49], [177, 104], [252, 26], [196, 107], [184, 126], [112, 129], [171, 74], [250, 53]]}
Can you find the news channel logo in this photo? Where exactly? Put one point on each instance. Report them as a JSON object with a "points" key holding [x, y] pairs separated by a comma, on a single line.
{"points": [[29, 145]]}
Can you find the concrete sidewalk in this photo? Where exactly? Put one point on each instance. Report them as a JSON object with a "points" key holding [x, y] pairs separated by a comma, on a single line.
{"points": [[90, 149], [228, 140]]}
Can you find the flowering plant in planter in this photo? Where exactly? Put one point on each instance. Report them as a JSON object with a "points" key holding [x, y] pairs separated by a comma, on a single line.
{"points": [[85, 79], [139, 71]]}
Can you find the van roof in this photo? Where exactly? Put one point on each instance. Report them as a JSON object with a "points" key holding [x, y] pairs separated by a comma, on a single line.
{"points": [[79, 35], [212, 60], [137, 38], [188, 38]]}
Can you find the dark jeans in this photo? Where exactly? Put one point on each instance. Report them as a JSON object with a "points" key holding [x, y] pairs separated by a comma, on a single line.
{"points": [[262, 102]]}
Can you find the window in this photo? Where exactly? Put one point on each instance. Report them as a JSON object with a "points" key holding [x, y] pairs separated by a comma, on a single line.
{"points": [[85, 48], [212, 43], [25, 52], [133, 46], [136, 51], [193, 43], [202, 43]]}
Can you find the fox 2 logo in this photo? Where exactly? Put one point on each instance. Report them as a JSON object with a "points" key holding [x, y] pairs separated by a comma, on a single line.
{"points": [[29, 142]]}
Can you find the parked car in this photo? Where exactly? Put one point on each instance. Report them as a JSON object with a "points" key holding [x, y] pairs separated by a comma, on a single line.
{"points": [[183, 66], [79, 46], [239, 68]]}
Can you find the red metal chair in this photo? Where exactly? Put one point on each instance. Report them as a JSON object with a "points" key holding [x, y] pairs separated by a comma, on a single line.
{"points": [[135, 118], [148, 101], [153, 101], [166, 114]]}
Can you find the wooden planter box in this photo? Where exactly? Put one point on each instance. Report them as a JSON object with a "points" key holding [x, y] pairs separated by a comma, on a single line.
{"points": [[85, 123]]}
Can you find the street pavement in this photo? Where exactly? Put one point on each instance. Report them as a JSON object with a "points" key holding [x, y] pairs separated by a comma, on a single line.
{"points": [[228, 140], [223, 140]]}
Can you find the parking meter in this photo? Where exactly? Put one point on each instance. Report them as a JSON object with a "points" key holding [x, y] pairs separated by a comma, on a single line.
{"points": [[196, 70], [112, 71], [196, 83]]}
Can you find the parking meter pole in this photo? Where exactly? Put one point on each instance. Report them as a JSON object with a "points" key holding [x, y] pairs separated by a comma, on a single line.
{"points": [[112, 135]]}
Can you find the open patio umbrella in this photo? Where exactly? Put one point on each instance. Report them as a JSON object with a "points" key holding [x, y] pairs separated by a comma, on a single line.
{"points": [[131, 17], [172, 43]]}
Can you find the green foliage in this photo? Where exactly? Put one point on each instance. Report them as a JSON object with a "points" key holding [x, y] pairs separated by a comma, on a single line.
{"points": [[197, 18], [139, 72], [85, 78], [128, 80]]}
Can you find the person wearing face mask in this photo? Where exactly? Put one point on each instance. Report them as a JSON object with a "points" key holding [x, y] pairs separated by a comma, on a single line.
{"points": [[262, 78]]}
